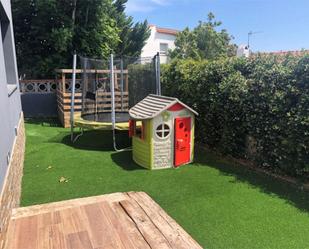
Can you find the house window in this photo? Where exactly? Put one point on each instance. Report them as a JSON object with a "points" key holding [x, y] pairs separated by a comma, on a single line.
{"points": [[163, 48], [7, 54], [163, 131]]}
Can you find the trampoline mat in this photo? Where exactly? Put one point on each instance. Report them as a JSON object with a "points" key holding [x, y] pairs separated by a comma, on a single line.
{"points": [[106, 117]]}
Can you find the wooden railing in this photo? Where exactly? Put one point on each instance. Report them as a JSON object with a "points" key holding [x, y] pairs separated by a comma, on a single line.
{"points": [[62, 87], [103, 100]]}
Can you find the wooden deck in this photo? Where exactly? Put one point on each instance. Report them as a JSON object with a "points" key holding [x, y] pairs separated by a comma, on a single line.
{"points": [[120, 220]]}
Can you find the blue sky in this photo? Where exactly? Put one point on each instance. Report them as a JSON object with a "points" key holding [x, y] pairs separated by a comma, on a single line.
{"points": [[284, 23]]}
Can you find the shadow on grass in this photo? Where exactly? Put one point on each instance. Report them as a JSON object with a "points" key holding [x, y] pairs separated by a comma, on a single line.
{"points": [[96, 140], [267, 184], [125, 161]]}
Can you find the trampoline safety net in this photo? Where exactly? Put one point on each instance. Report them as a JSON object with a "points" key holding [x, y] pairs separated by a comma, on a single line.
{"points": [[134, 79]]}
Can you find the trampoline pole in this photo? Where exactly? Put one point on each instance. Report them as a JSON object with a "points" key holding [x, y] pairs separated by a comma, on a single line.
{"points": [[112, 85], [73, 96], [121, 78], [158, 74]]}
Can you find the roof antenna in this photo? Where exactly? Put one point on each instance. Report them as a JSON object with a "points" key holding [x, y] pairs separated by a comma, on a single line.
{"points": [[250, 34]]}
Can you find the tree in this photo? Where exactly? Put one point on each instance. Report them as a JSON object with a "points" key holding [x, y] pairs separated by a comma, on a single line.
{"points": [[132, 36], [95, 32], [204, 41], [186, 45], [48, 31], [42, 34]]}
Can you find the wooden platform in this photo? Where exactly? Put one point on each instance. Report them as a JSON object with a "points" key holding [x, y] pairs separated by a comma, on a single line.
{"points": [[120, 220]]}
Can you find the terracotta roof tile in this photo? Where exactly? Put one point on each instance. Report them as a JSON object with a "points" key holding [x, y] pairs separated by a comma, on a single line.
{"points": [[165, 30]]}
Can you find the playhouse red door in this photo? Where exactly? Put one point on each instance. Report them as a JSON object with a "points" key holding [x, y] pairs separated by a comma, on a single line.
{"points": [[182, 141]]}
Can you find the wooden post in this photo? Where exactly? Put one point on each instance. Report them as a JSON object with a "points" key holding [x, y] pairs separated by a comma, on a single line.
{"points": [[73, 97], [116, 79], [127, 82], [63, 82]]}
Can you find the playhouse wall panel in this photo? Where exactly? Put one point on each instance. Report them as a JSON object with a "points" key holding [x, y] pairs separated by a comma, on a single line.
{"points": [[143, 149], [141, 153], [162, 154], [166, 159]]}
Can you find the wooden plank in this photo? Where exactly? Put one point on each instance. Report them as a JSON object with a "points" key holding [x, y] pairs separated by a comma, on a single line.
{"points": [[27, 233], [164, 222], [68, 108], [127, 82], [60, 92], [58, 206], [63, 82], [131, 229], [103, 93], [11, 235], [116, 80], [117, 225], [150, 232], [79, 101], [72, 220], [51, 237], [176, 236], [76, 101], [91, 106], [100, 229], [79, 71], [119, 220], [56, 217], [102, 104], [79, 240], [44, 220]]}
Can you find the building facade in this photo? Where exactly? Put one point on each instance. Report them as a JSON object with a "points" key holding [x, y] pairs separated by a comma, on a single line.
{"points": [[12, 139], [160, 40]]}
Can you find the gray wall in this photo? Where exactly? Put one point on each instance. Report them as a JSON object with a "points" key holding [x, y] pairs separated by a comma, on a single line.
{"points": [[10, 105], [36, 105]]}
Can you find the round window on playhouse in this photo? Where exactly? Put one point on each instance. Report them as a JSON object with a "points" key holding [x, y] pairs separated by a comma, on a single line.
{"points": [[163, 131]]}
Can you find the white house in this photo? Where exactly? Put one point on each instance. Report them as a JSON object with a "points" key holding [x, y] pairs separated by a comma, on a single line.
{"points": [[161, 40], [243, 51]]}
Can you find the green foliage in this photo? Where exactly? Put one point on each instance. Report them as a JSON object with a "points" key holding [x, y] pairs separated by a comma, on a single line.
{"points": [[132, 36], [265, 98], [204, 42], [95, 32], [47, 32]]}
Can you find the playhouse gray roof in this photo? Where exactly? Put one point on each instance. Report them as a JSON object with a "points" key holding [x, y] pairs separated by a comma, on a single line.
{"points": [[153, 105]]}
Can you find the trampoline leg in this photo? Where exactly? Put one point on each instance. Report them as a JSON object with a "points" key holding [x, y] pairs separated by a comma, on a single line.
{"points": [[115, 144], [79, 135]]}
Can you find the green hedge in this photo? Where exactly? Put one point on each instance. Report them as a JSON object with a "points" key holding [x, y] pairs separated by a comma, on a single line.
{"points": [[249, 108]]}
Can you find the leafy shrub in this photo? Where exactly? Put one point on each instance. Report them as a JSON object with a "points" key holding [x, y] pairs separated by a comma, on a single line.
{"points": [[264, 99]]}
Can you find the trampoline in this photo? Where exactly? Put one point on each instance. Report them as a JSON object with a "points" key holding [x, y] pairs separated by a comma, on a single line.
{"points": [[108, 89], [102, 121]]}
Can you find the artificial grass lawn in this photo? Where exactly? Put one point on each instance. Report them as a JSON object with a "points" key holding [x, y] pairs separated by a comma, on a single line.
{"points": [[221, 205]]}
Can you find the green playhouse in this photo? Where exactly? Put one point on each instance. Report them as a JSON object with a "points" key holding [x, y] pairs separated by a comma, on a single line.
{"points": [[166, 137]]}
